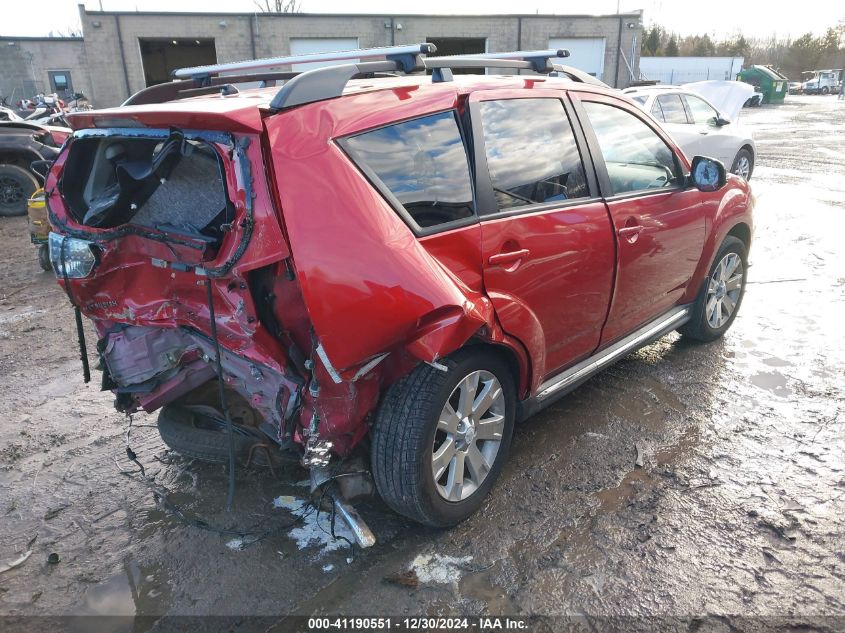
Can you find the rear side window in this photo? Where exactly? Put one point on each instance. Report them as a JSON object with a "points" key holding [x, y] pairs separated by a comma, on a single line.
{"points": [[531, 152], [657, 111], [422, 164], [673, 108], [637, 159]]}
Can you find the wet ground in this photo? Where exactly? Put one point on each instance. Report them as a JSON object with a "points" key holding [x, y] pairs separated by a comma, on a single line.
{"points": [[738, 508]]}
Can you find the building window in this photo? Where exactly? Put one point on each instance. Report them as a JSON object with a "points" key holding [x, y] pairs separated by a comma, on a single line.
{"points": [[161, 56], [60, 81]]}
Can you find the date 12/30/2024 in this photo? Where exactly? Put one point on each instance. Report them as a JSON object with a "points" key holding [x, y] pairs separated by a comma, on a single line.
{"points": [[485, 623]]}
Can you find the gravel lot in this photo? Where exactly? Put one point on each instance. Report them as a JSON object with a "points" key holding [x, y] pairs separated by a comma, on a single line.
{"points": [[737, 511]]}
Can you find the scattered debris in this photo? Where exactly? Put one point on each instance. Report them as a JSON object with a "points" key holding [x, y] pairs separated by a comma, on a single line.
{"points": [[328, 568], [435, 568], [54, 512], [639, 461], [16, 563], [315, 529], [23, 558], [403, 579], [236, 544]]}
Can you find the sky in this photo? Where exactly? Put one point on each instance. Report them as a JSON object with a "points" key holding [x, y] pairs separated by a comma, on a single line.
{"points": [[719, 18]]}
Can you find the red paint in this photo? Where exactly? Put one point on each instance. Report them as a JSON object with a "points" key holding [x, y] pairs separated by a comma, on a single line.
{"points": [[340, 268]]}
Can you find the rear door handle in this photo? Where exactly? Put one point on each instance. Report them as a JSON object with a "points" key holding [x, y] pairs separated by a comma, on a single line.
{"points": [[631, 233], [506, 258]]}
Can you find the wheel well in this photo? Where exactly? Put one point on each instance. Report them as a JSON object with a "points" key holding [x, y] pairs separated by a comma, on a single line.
{"points": [[21, 159], [506, 354], [750, 150], [742, 233]]}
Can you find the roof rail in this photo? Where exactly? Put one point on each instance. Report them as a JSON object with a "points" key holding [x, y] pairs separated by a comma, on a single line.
{"points": [[577, 75], [171, 90], [538, 61], [329, 82], [404, 54]]}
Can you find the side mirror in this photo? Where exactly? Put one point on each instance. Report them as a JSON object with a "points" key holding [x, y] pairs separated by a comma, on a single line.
{"points": [[720, 121], [707, 174]]}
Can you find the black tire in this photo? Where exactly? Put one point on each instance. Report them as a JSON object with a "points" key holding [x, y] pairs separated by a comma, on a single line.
{"points": [[16, 186], [404, 433], [201, 437], [743, 153], [698, 328], [825, 90], [44, 258]]}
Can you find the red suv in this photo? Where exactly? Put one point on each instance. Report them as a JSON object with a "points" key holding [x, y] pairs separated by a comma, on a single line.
{"points": [[383, 263]]}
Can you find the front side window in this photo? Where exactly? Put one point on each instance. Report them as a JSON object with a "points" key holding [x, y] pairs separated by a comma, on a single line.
{"points": [[422, 163], [531, 152], [702, 112], [637, 159], [673, 108]]}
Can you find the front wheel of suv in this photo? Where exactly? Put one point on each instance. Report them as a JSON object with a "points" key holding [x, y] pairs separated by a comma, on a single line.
{"points": [[721, 295], [441, 437]]}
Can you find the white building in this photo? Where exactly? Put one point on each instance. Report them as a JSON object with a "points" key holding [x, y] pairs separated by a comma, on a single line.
{"points": [[681, 70]]}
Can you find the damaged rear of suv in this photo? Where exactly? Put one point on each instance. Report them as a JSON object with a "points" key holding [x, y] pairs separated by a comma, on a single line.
{"points": [[335, 267]]}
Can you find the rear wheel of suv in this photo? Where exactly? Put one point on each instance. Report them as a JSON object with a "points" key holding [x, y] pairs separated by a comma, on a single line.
{"points": [[441, 437], [718, 302], [16, 186]]}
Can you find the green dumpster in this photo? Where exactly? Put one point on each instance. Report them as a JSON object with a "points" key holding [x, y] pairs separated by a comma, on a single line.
{"points": [[767, 80]]}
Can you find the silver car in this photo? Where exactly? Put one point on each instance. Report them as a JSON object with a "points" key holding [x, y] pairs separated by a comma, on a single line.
{"points": [[699, 127]]}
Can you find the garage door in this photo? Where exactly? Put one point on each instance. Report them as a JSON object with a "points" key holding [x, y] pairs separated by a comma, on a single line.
{"points": [[585, 53], [306, 45]]}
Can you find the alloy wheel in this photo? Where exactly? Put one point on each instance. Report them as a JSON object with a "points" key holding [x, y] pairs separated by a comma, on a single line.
{"points": [[743, 167], [11, 191], [468, 436], [723, 290]]}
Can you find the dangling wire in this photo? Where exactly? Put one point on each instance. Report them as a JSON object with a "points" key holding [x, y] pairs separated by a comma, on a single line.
{"points": [[229, 427]]}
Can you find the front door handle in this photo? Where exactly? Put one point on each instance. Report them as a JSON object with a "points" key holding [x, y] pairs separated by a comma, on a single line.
{"points": [[631, 233], [507, 258]]}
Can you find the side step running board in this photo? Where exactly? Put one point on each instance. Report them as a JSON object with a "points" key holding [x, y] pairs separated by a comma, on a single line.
{"points": [[569, 379]]}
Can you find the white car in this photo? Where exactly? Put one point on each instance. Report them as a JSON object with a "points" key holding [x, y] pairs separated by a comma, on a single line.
{"points": [[699, 127]]}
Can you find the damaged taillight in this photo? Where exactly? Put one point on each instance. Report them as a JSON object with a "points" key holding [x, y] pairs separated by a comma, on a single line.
{"points": [[72, 258]]}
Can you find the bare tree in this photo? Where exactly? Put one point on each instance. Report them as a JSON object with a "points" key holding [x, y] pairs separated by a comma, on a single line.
{"points": [[279, 6], [69, 31]]}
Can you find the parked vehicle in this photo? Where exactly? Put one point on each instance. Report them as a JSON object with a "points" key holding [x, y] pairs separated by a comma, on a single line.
{"points": [[415, 261], [7, 114], [699, 127], [823, 82], [794, 87], [21, 143], [755, 100]]}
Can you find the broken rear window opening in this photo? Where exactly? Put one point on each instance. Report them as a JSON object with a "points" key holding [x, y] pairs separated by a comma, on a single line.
{"points": [[170, 183]]}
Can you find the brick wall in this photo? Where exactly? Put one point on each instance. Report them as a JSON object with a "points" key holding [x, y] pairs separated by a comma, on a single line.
{"points": [[26, 62]]}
